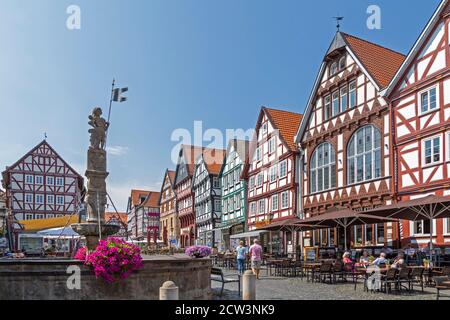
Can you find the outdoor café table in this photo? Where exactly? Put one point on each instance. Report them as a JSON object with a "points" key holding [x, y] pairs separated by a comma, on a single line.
{"points": [[311, 266], [228, 260], [274, 263]]}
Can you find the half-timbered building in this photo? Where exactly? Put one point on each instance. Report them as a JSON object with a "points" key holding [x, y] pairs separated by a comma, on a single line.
{"points": [[345, 140], [207, 196], [184, 194], [42, 185], [170, 227], [234, 191], [271, 172], [419, 96], [143, 215], [119, 219], [2, 214]]}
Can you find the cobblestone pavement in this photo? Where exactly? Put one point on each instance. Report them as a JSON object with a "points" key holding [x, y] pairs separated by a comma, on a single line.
{"points": [[276, 288]]}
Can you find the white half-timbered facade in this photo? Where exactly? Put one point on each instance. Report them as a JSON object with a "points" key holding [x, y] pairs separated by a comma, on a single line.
{"points": [[420, 102], [207, 197], [234, 191], [42, 185], [184, 193], [345, 140], [271, 173]]}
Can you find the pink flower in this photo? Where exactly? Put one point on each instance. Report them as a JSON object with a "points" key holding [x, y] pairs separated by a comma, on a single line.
{"points": [[113, 259]]}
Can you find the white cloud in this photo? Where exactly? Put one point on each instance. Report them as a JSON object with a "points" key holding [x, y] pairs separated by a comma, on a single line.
{"points": [[119, 192], [117, 150]]}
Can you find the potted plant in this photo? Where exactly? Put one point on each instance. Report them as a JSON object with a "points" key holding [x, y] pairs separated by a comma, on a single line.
{"points": [[198, 252], [113, 259]]}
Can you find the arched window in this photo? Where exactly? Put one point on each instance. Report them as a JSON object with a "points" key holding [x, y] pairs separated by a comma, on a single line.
{"points": [[323, 169], [333, 68], [364, 155]]}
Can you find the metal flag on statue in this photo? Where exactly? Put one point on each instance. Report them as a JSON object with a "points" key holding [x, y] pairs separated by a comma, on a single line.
{"points": [[117, 95]]}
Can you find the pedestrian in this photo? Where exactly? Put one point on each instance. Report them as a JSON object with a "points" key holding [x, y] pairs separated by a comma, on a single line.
{"points": [[241, 253], [255, 254]]}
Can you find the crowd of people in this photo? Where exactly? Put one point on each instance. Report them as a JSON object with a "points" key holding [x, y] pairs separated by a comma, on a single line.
{"points": [[255, 251]]}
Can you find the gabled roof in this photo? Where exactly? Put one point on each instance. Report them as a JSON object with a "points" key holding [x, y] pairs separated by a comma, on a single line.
{"points": [[152, 200], [122, 216], [242, 148], [171, 175], [444, 5], [378, 63], [191, 154], [44, 142], [286, 122], [136, 196], [213, 159]]}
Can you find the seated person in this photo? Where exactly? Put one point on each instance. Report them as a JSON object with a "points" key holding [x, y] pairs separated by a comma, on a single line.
{"points": [[380, 260], [399, 262], [364, 258], [346, 258]]}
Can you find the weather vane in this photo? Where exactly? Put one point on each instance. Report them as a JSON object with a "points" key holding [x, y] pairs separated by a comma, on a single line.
{"points": [[338, 22]]}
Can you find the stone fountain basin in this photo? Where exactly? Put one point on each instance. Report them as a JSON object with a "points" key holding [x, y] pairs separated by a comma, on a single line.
{"points": [[47, 279]]}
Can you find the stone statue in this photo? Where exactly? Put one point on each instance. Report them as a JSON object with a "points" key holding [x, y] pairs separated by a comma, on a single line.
{"points": [[100, 127], [96, 174]]}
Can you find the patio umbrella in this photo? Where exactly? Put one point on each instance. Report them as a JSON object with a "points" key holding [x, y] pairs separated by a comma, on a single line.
{"points": [[292, 225], [343, 217], [427, 208]]}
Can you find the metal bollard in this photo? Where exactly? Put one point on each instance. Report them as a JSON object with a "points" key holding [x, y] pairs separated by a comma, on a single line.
{"points": [[249, 286], [168, 291]]}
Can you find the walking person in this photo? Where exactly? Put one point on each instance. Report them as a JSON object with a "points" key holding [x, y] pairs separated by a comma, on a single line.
{"points": [[255, 254], [241, 254]]}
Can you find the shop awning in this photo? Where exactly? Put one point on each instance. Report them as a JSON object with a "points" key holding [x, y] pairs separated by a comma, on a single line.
{"points": [[248, 234], [43, 224]]}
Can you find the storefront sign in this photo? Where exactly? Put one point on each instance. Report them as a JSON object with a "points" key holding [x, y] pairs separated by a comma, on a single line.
{"points": [[262, 224], [311, 254]]}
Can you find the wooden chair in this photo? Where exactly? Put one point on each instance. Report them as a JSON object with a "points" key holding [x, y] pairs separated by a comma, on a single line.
{"points": [[416, 277], [388, 280], [339, 272], [404, 277], [440, 286], [325, 271]]}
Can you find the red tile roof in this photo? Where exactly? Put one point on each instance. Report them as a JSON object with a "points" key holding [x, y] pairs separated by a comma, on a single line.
{"points": [[151, 198], [191, 153], [381, 63], [120, 215], [287, 123], [214, 160], [171, 174]]}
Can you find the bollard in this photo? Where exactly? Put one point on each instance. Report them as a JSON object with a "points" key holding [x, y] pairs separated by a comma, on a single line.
{"points": [[168, 291], [249, 286]]}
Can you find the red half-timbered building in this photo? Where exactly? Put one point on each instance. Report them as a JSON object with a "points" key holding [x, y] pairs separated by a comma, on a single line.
{"points": [[419, 96], [184, 193], [42, 185], [345, 141], [271, 173]]}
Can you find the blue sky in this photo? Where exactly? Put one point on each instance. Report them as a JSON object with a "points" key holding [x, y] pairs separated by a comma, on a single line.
{"points": [[214, 61]]}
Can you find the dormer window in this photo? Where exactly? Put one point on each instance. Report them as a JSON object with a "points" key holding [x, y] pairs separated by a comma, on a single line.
{"points": [[333, 68], [342, 63]]}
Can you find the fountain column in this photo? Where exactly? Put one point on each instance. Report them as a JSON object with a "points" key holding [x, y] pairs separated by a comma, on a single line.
{"points": [[95, 228]]}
